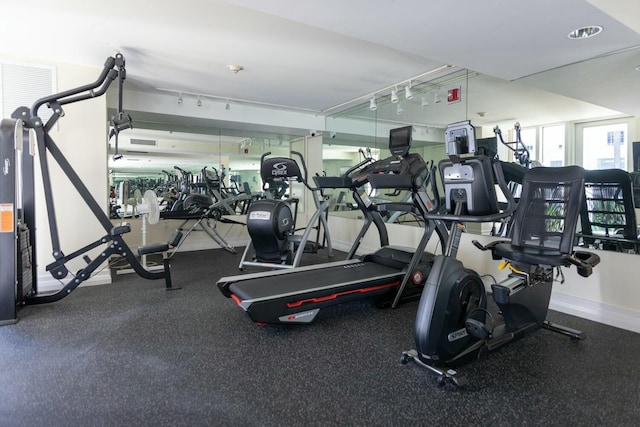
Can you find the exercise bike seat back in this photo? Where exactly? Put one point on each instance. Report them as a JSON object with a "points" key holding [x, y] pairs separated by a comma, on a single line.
{"points": [[546, 217]]}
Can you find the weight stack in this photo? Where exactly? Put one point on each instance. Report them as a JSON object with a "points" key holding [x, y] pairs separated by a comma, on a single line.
{"points": [[25, 264]]}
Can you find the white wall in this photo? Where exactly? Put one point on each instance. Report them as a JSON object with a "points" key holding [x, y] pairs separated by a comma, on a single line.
{"points": [[82, 137]]}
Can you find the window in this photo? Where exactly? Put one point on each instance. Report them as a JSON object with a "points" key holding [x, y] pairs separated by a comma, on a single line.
{"points": [[553, 145], [604, 146], [529, 139]]}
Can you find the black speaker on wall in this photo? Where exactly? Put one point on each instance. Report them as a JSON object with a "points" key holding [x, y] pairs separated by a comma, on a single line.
{"points": [[636, 156]]}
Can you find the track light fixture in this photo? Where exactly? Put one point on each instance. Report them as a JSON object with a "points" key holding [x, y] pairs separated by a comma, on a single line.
{"points": [[227, 106], [394, 96], [199, 103], [424, 102], [372, 104], [399, 109], [180, 99], [408, 93]]}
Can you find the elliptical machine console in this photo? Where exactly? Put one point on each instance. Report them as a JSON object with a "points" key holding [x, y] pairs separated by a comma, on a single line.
{"points": [[453, 324]]}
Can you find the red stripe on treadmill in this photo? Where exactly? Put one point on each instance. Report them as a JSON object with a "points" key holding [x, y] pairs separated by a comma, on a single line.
{"points": [[340, 294], [236, 299]]}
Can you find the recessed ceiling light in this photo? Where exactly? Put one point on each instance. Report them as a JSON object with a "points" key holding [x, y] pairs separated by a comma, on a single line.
{"points": [[235, 68], [585, 32]]}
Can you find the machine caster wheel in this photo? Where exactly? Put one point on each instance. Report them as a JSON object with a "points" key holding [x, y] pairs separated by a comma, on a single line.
{"points": [[441, 380], [408, 356]]}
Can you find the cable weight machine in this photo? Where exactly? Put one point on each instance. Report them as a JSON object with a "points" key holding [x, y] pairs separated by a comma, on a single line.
{"points": [[18, 277]]}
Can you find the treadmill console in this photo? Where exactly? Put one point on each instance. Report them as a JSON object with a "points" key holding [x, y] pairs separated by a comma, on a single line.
{"points": [[400, 141], [402, 170]]}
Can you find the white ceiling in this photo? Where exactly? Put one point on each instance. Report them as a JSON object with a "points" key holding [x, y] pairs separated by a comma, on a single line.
{"points": [[315, 55]]}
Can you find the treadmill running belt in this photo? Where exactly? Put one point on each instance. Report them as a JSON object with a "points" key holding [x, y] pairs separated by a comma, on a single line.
{"points": [[312, 281]]}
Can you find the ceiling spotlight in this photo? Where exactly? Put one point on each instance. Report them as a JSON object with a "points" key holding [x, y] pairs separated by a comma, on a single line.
{"points": [[372, 104], [436, 98], [199, 103], [408, 93], [585, 32], [399, 109], [394, 96], [180, 99], [235, 69], [227, 106], [425, 102]]}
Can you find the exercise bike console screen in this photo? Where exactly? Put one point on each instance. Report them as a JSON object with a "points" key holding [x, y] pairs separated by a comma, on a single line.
{"points": [[460, 138], [400, 141], [468, 181]]}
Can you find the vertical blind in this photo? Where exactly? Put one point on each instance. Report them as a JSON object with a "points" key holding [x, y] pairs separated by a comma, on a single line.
{"points": [[22, 85]]}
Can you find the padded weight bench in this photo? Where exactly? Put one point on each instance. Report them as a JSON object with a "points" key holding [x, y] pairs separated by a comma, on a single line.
{"points": [[156, 248]]}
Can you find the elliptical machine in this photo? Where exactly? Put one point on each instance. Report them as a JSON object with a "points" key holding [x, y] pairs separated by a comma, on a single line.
{"points": [[271, 222], [453, 325]]}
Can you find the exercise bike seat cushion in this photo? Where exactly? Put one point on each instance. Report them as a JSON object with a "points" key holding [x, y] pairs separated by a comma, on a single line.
{"points": [[530, 255]]}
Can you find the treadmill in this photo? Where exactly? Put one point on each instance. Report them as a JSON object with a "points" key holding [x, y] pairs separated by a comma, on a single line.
{"points": [[297, 295]]}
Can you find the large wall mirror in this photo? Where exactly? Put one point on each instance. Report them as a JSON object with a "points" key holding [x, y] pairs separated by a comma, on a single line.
{"points": [[557, 130], [215, 162], [561, 126]]}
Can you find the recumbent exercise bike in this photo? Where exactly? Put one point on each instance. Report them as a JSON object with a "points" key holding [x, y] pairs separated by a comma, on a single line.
{"points": [[453, 325]]}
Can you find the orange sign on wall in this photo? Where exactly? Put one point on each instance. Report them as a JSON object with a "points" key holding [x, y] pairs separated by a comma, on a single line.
{"points": [[6, 218]]}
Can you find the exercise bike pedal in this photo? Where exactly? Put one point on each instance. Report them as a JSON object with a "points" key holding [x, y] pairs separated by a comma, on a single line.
{"points": [[477, 329], [455, 377], [444, 375], [408, 356]]}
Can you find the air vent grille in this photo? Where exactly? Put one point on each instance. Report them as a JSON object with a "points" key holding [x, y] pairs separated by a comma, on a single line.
{"points": [[147, 142]]}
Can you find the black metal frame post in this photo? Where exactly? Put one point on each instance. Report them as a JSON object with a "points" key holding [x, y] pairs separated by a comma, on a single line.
{"points": [[8, 221]]}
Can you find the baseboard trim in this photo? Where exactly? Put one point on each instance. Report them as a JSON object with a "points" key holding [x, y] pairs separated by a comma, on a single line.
{"points": [[598, 312], [201, 245], [46, 283], [346, 247]]}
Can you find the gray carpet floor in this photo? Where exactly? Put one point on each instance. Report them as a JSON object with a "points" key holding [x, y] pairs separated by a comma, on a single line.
{"points": [[130, 353]]}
